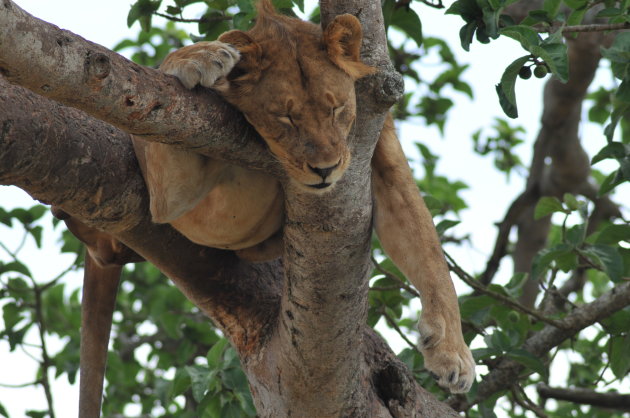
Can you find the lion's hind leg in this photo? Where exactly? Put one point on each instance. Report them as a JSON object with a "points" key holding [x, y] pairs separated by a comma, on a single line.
{"points": [[405, 229]]}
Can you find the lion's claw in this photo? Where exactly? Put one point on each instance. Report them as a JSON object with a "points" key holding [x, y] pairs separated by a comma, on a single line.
{"points": [[446, 356]]}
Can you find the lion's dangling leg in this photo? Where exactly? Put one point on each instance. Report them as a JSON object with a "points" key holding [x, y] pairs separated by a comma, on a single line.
{"points": [[405, 229]]}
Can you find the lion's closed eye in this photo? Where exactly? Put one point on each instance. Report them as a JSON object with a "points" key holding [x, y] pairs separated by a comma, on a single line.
{"points": [[337, 111], [287, 120]]}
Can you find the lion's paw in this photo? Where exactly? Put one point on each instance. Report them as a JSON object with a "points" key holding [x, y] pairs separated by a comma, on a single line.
{"points": [[202, 63], [446, 356]]}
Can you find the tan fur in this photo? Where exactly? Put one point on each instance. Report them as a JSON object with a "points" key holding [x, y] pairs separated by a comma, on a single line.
{"points": [[295, 85]]}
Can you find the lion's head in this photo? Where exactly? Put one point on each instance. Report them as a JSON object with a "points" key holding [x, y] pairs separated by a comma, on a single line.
{"points": [[295, 85]]}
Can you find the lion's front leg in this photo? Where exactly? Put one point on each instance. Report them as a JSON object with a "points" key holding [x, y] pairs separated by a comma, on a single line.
{"points": [[405, 229], [179, 179], [204, 63]]}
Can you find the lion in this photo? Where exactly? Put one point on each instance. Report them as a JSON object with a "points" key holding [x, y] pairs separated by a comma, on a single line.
{"points": [[294, 82]]}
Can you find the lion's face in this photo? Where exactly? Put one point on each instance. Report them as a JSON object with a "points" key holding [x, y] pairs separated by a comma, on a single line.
{"points": [[293, 90], [305, 117]]}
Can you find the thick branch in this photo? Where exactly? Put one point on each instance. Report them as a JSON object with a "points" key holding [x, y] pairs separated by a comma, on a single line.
{"points": [[62, 66], [611, 400]]}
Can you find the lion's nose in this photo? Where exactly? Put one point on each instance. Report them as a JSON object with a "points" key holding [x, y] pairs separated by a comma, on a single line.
{"points": [[323, 172]]}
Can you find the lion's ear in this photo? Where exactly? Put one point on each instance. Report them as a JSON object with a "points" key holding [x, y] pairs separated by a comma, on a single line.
{"points": [[248, 68], [342, 39]]}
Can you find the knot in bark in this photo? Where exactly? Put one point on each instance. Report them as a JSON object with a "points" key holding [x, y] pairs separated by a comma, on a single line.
{"points": [[97, 65]]}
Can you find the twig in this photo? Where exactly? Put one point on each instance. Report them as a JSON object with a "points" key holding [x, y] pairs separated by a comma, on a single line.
{"points": [[20, 386], [585, 28], [394, 325], [203, 19], [393, 277], [45, 363], [470, 281], [521, 398]]}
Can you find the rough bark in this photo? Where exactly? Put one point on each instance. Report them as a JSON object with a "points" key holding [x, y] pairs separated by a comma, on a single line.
{"points": [[298, 325]]}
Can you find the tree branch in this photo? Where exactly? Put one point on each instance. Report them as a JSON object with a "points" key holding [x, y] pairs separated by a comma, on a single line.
{"points": [[506, 371], [611, 400], [506, 300], [585, 28], [64, 67]]}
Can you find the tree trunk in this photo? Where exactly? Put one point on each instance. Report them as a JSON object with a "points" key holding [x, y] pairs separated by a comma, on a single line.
{"points": [[297, 324]]}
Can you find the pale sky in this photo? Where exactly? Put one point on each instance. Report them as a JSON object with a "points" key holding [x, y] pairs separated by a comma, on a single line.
{"points": [[489, 196]]}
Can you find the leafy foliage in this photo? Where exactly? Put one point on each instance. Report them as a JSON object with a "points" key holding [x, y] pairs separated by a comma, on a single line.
{"points": [[168, 360]]}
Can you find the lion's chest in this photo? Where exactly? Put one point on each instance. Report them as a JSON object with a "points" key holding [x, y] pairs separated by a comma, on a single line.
{"points": [[241, 210]]}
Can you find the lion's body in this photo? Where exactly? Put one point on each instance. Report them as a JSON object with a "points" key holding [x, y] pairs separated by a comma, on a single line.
{"points": [[211, 202]]}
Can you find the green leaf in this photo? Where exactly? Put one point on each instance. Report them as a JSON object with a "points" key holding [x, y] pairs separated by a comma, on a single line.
{"points": [[570, 201], [142, 11], [555, 56], [36, 414], [37, 212], [575, 235], [200, 378], [475, 304], [608, 258], [36, 233], [234, 378], [243, 21], [3, 411], [618, 323], [546, 206], [527, 36], [12, 315], [551, 7], [619, 51], [615, 150], [527, 359], [613, 180], [485, 353], [609, 12], [505, 89], [444, 225], [619, 358], [466, 34], [407, 21], [561, 254], [16, 266], [623, 92], [612, 234], [181, 383], [576, 16], [214, 354]]}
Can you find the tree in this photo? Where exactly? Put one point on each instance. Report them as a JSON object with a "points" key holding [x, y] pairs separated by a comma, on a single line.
{"points": [[90, 171]]}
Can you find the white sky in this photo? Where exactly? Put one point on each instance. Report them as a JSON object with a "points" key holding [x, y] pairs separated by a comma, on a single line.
{"points": [[489, 196]]}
